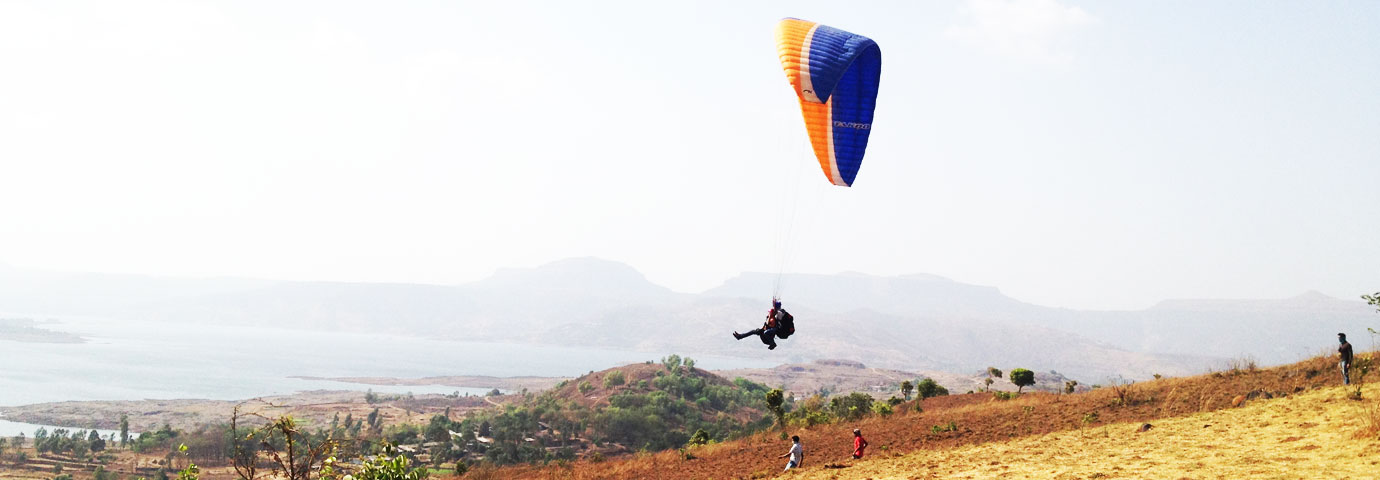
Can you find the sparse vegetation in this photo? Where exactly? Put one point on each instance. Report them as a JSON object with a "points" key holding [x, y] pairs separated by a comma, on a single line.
{"points": [[1239, 365], [1125, 393], [948, 427], [1361, 365]]}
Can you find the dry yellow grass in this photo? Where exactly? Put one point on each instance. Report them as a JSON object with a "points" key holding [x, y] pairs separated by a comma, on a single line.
{"points": [[1309, 435]]}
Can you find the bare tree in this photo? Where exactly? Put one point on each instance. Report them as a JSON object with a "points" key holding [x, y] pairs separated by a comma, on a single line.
{"points": [[292, 451]]}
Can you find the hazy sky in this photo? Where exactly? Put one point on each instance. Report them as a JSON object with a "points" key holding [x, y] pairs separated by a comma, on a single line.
{"points": [[1086, 155]]}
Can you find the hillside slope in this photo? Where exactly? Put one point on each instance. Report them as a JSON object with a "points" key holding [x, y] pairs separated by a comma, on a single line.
{"points": [[1311, 435], [1101, 416]]}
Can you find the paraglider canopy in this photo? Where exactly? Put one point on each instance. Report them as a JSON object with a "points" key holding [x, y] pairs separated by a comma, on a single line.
{"points": [[835, 76]]}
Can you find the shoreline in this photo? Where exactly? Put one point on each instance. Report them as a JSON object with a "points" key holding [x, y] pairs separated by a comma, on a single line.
{"points": [[461, 381]]}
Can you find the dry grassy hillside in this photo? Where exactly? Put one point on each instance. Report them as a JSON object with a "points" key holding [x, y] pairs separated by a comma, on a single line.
{"points": [[1310, 435], [1086, 435]]}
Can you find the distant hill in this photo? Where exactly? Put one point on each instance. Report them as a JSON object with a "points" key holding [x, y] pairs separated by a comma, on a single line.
{"points": [[651, 406], [909, 322], [104, 294], [843, 376], [903, 295], [1269, 331]]}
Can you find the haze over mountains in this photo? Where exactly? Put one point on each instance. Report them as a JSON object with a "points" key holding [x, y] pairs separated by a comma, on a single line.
{"points": [[910, 322]]}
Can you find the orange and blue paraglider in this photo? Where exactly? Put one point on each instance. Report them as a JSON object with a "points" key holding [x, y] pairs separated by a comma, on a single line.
{"points": [[835, 75]]}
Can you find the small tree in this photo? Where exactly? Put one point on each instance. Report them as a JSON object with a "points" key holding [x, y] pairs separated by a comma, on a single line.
{"points": [[124, 430], [700, 437], [1070, 386], [41, 440], [671, 362], [295, 453], [775, 399], [906, 388], [1022, 378], [993, 372]]}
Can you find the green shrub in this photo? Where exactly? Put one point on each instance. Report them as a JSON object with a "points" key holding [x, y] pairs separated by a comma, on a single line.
{"points": [[929, 388], [882, 409], [852, 407], [387, 467], [613, 379], [700, 437]]}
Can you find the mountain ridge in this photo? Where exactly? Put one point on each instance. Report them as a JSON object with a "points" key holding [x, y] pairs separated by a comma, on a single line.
{"points": [[912, 322]]}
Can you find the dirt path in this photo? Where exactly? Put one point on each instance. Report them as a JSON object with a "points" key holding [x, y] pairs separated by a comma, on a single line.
{"points": [[882, 373]]}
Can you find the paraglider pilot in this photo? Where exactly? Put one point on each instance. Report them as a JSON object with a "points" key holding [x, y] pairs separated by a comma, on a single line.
{"points": [[778, 323]]}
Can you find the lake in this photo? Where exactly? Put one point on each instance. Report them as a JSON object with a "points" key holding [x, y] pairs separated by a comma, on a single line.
{"points": [[124, 360]]}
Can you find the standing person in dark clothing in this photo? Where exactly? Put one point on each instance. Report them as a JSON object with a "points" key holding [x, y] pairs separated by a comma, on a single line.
{"points": [[1344, 351], [859, 443]]}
